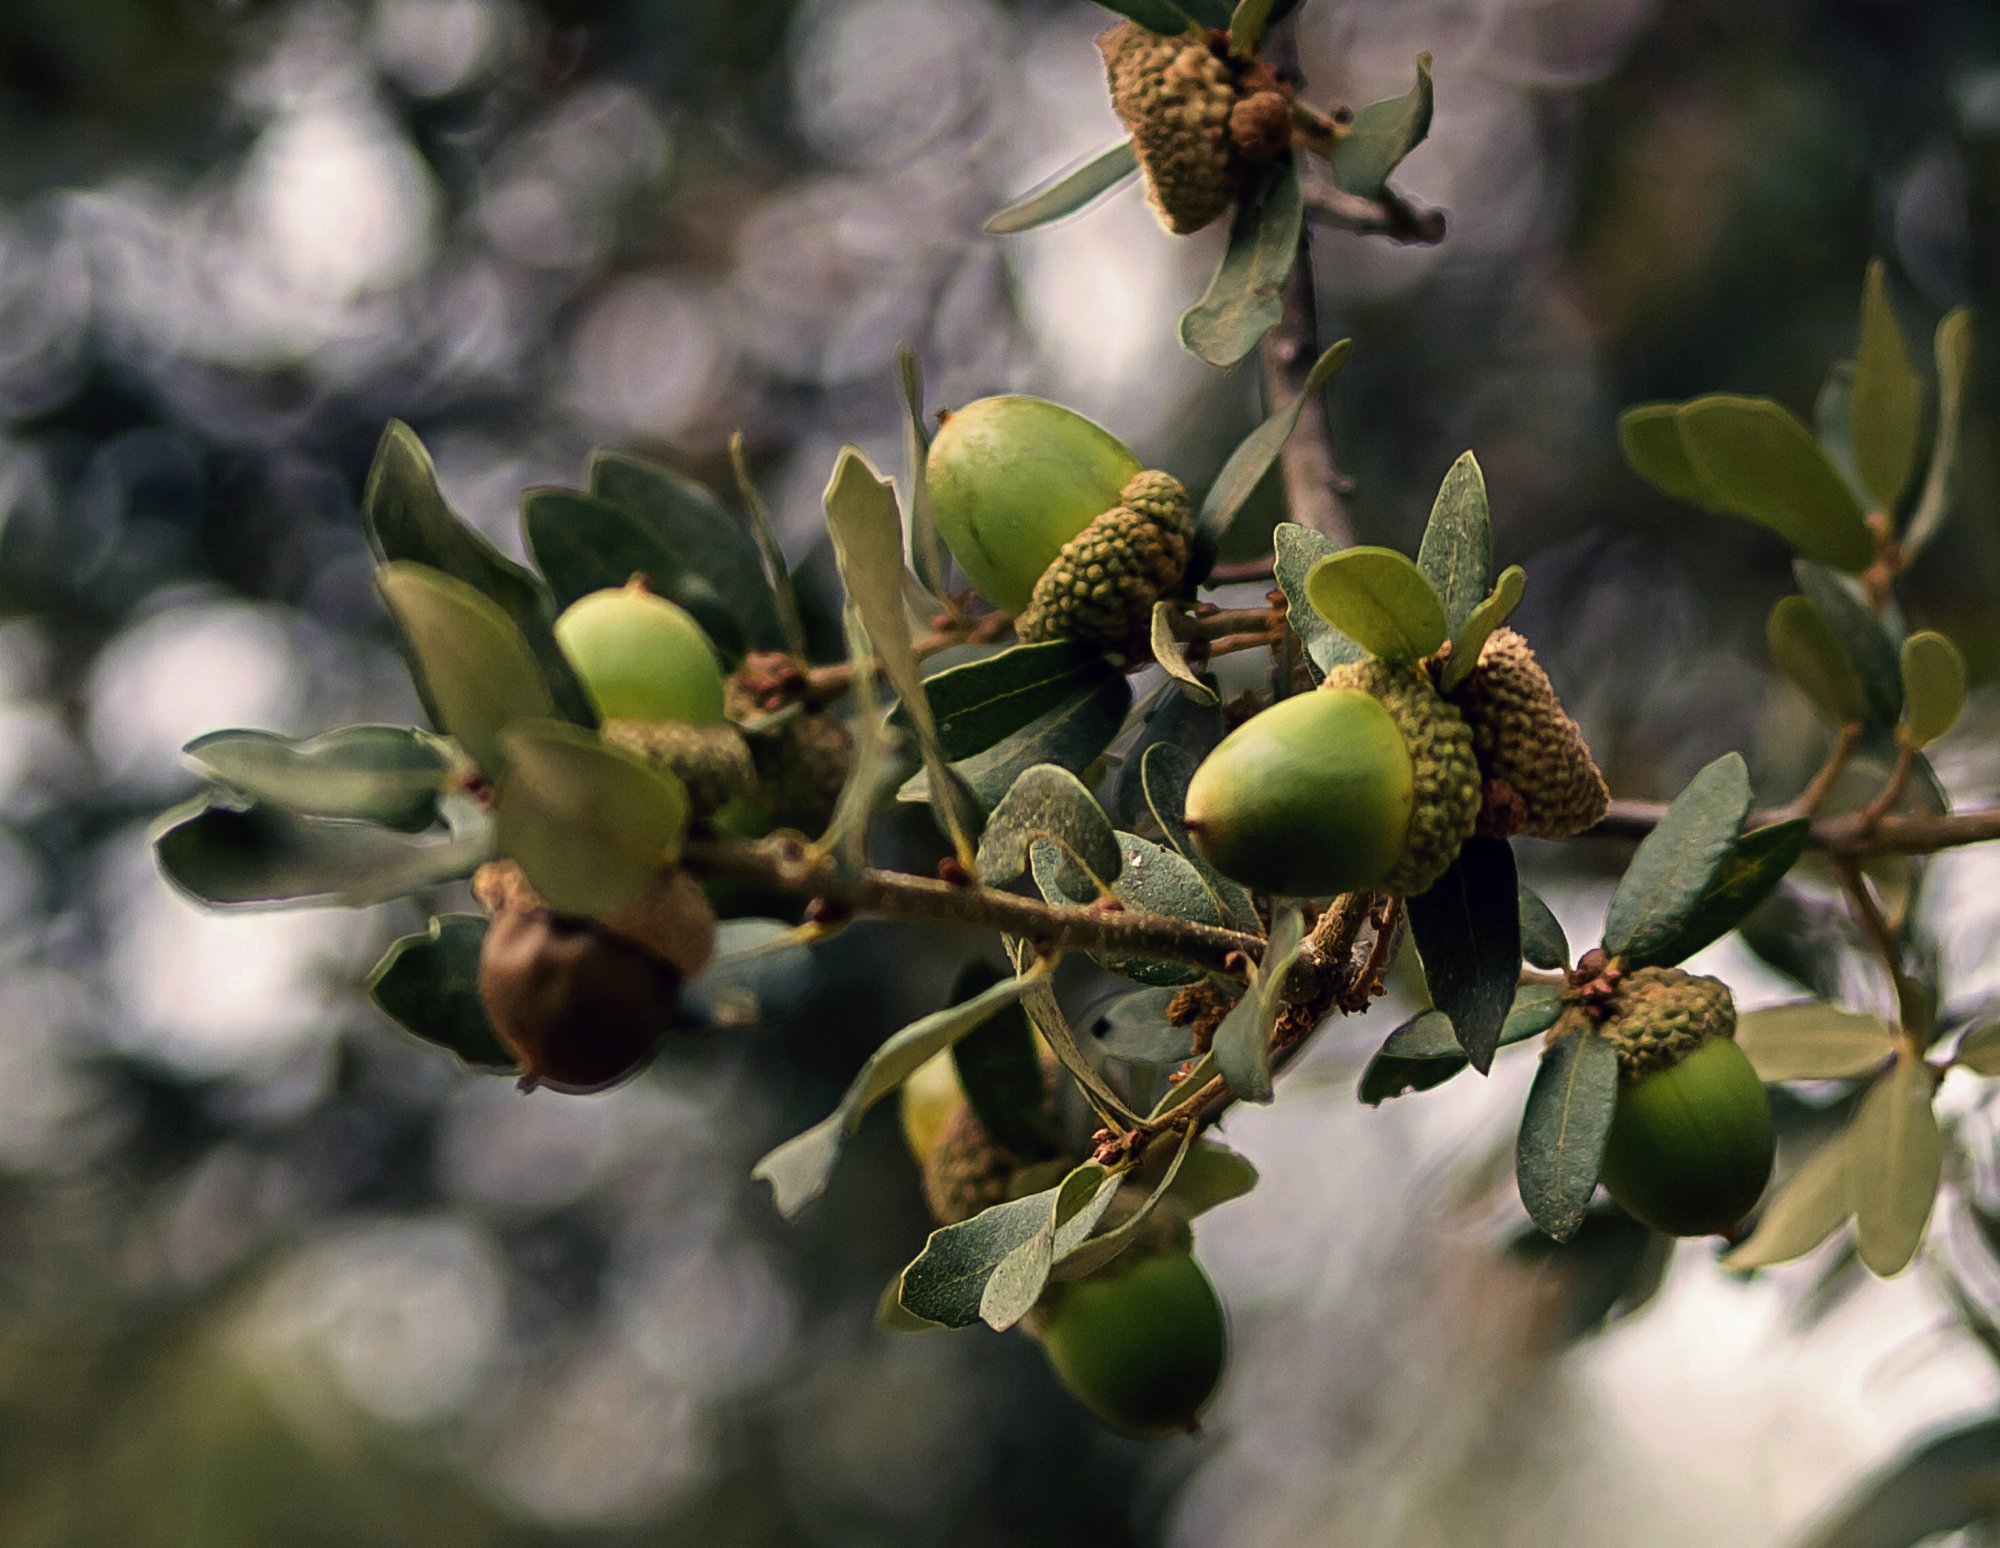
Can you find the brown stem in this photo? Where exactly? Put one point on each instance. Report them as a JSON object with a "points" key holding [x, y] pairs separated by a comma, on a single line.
{"points": [[786, 865], [1389, 214], [1813, 797], [1875, 924], [1243, 571], [1871, 815], [1916, 833]]}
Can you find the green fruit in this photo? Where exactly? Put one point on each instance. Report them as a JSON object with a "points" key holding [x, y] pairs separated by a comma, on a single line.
{"points": [[1691, 1145], [1141, 1343], [1011, 480], [1311, 797], [640, 657]]}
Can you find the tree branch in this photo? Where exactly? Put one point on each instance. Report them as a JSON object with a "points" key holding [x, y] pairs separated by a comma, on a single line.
{"points": [[1389, 215], [1846, 835]]}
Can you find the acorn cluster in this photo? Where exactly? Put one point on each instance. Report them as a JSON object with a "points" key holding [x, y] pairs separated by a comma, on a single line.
{"points": [[1202, 121]]}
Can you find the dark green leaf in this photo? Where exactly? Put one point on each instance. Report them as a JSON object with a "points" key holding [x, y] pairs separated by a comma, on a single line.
{"points": [[429, 985], [1933, 687], [407, 519], [1949, 1482], [1048, 802], [1468, 931], [1543, 943], [1165, 770], [592, 826], [1073, 735], [1077, 185], [1895, 1159], [1457, 551], [1757, 863], [1160, 15], [1887, 400], [1609, 1269], [1379, 599], [761, 972], [1017, 1280], [1861, 636], [1680, 859], [1807, 652], [382, 774], [586, 544], [1243, 301], [1000, 1070], [1298, 551], [1424, 1052], [981, 703], [1382, 134], [1563, 1131], [1257, 453], [258, 854], [1954, 358], [476, 671], [691, 524], [1243, 1041], [1168, 717], [1246, 27], [798, 1169]]}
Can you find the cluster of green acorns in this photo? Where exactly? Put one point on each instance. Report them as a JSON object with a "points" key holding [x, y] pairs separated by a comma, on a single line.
{"points": [[1373, 781], [582, 1003]]}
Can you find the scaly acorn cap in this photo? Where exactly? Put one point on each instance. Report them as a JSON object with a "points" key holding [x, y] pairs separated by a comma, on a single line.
{"points": [[802, 765], [1540, 776], [1104, 582], [1656, 1017], [966, 1171], [1445, 774], [712, 761], [1175, 95]]}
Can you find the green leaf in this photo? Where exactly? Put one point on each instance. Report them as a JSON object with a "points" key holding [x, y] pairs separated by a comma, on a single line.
{"points": [[1886, 403], [1299, 551], [1162, 16], [1134, 1029], [1171, 654], [1895, 1159], [1246, 27], [407, 519], [1807, 652], [875, 766], [1563, 1131], [1949, 1482], [798, 1169], [1080, 184], [429, 985], [1760, 860], [868, 542], [1048, 802], [784, 598], [1468, 932], [1257, 453], [687, 520], [1211, 1175], [1382, 134], [1979, 1050], [1814, 1041], [1490, 614], [926, 547], [1456, 555], [1933, 687], [1543, 943], [1424, 1052], [947, 1281], [1243, 1041], [476, 671], [1953, 349], [1072, 736], [1650, 436], [1755, 460], [1861, 635], [1155, 880], [1244, 299], [382, 774], [1807, 1208], [1084, 1258], [584, 544], [1379, 599], [1165, 771], [1017, 1280], [1000, 1070], [979, 704], [1673, 869], [225, 855], [591, 825]]}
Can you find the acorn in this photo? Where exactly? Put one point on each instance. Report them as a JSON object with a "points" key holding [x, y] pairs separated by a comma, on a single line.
{"points": [[1106, 579], [1691, 1141], [1367, 782], [1013, 480], [1541, 780], [1141, 1343], [641, 657]]}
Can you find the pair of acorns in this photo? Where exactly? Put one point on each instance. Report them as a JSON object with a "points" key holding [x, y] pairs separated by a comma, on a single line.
{"points": [[1374, 781]]}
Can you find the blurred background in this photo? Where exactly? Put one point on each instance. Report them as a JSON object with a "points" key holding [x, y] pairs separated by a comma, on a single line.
{"points": [[275, 1275]]}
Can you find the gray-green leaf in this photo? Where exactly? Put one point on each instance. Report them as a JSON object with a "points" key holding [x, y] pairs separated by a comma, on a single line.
{"points": [[1243, 1041], [1813, 1041], [1563, 1131], [1048, 802], [1244, 299], [1895, 1159], [384, 774], [1457, 551], [1807, 1208], [1807, 652], [1258, 452], [1673, 869], [1382, 134], [1886, 403], [1078, 185], [1299, 551]]}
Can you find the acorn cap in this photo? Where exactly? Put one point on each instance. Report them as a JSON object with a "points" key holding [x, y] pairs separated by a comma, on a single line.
{"points": [[673, 922], [1658, 1016], [1529, 745], [965, 1171], [1104, 582], [802, 765], [1445, 774], [712, 761], [1175, 96]]}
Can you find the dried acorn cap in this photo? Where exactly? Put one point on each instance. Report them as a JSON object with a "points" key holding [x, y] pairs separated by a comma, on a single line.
{"points": [[1104, 582], [1541, 778], [802, 765], [1659, 1016], [1445, 773], [1175, 95], [712, 761]]}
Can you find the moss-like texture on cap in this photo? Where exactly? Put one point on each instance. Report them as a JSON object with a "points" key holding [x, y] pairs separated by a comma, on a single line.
{"points": [[1175, 95], [1104, 582], [1542, 780], [1658, 1016]]}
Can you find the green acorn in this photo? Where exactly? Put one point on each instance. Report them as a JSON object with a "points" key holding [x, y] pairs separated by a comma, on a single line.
{"points": [[1105, 581], [1368, 782], [1541, 780], [641, 657], [1691, 1141], [1141, 1343], [1011, 480]]}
